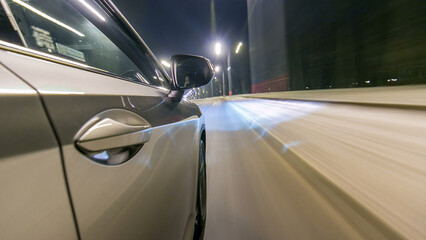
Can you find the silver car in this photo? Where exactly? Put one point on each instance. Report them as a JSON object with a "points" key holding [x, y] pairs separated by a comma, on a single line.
{"points": [[96, 140]]}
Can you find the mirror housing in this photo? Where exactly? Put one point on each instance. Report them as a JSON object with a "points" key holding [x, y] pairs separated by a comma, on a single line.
{"points": [[189, 71]]}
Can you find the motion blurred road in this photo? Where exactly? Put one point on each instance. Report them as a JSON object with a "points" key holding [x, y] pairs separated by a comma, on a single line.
{"points": [[310, 170]]}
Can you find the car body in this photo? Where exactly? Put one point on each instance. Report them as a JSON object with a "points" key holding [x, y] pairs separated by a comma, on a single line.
{"points": [[96, 140]]}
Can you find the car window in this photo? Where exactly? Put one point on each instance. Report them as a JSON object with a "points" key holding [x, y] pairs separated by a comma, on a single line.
{"points": [[60, 28]]}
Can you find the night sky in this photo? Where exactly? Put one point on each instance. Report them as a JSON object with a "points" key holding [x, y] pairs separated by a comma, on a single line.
{"points": [[184, 26]]}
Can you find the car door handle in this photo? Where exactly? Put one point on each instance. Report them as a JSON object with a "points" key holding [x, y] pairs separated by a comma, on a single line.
{"points": [[109, 134]]}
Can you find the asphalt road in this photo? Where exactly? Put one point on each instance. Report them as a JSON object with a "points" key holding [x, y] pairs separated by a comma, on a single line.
{"points": [[306, 170]]}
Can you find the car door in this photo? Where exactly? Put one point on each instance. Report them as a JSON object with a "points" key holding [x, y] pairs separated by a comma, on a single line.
{"points": [[33, 193], [130, 154]]}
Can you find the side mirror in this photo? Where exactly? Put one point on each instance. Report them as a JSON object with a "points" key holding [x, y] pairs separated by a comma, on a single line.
{"points": [[190, 71]]}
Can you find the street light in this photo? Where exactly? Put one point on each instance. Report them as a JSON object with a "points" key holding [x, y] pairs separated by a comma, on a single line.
{"points": [[165, 63], [218, 48], [238, 47], [218, 69], [218, 51], [237, 50]]}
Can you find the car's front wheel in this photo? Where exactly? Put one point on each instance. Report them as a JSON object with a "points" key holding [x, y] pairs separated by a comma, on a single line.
{"points": [[200, 220]]}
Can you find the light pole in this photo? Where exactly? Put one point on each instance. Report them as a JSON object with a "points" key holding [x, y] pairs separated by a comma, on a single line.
{"points": [[229, 73], [237, 50], [218, 69], [218, 51], [211, 83]]}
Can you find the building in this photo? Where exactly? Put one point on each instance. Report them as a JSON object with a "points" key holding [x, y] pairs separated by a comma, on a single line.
{"points": [[312, 44]]}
